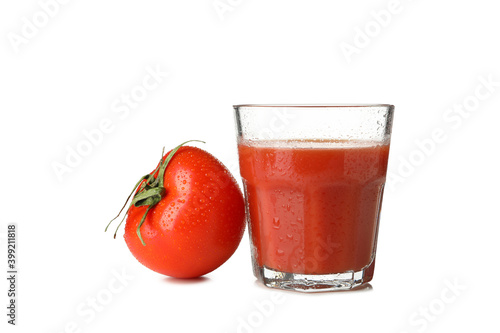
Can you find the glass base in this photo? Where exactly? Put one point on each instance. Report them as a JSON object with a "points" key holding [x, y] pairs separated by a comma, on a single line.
{"points": [[315, 282]]}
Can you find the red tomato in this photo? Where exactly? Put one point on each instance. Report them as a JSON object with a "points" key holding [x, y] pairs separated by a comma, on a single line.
{"points": [[197, 225]]}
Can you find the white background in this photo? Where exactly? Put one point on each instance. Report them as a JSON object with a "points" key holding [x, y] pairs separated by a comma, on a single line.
{"points": [[440, 220]]}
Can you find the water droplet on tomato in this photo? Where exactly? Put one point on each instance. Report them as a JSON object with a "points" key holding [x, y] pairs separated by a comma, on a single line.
{"points": [[276, 222], [280, 252]]}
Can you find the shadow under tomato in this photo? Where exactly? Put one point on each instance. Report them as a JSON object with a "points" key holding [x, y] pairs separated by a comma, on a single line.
{"points": [[196, 280]]}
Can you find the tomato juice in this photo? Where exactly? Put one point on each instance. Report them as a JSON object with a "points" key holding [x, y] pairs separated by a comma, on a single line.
{"points": [[313, 205]]}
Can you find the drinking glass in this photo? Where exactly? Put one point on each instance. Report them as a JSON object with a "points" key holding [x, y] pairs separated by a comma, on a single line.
{"points": [[313, 177]]}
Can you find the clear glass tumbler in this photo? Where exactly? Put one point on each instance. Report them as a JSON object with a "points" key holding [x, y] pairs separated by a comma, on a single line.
{"points": [[313, 177]]}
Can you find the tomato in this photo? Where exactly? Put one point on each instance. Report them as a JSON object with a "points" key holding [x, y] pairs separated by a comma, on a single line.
{"points": [[198, 223]]}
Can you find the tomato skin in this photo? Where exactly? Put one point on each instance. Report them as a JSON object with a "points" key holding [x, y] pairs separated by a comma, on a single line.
{"points": [[199, 223]]}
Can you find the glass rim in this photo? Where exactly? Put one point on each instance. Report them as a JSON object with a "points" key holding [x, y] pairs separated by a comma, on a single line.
{"points": [[347, 105]]}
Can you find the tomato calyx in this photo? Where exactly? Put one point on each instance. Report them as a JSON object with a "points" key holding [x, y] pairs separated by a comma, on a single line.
{"points": [[151, 190]]}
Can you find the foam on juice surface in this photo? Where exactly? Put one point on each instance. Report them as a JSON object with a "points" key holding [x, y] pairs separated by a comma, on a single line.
{"points": [[311, 144]]}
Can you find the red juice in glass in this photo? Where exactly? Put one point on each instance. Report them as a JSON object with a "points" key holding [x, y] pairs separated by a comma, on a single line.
{"points": [[313, 208]]}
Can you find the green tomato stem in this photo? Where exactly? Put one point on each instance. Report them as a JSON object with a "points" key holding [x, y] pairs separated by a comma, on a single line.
{"points": [[150, 192]]}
